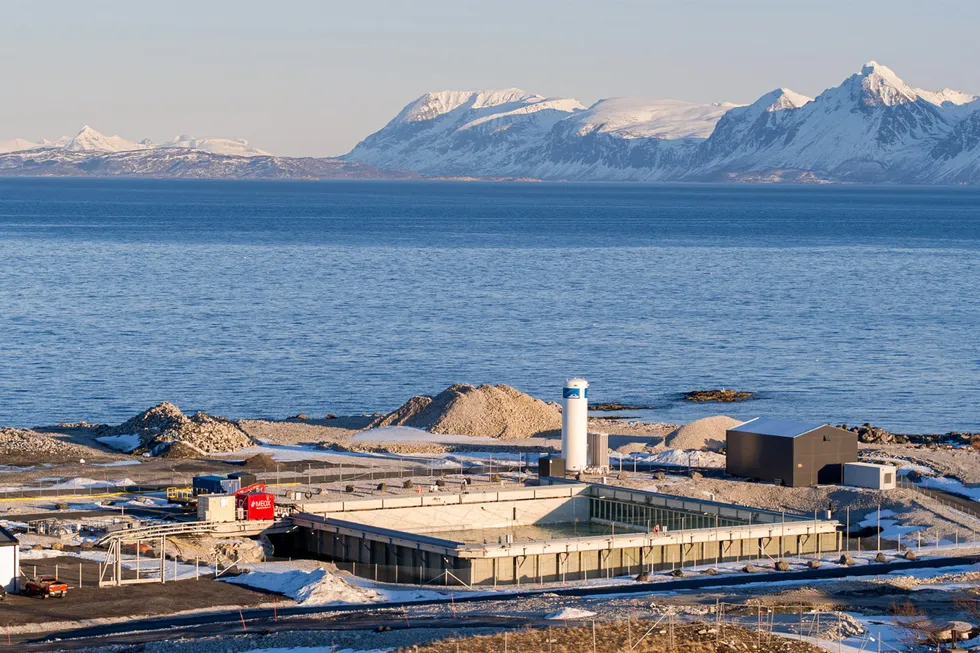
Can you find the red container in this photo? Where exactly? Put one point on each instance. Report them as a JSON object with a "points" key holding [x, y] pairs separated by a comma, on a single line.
{"points": [[258, 506]]}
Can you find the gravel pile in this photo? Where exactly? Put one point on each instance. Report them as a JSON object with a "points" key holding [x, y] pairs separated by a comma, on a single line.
{"points": [[24, 442], [705, 434], [494, 411], [160, 427]]}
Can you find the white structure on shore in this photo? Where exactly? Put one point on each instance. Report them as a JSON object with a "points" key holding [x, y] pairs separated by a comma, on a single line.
{"points": [[575, 424], [9, 560]]}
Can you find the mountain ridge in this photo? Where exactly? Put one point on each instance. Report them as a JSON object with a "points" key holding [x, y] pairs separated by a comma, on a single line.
{"points": [[871, 128]]}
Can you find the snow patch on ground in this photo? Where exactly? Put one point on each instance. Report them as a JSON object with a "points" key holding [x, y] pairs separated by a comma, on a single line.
{"points": [[951, 485], [125, 443], [409, 434], [569, 614], [904, 466], [684, 458], [305, 586]]}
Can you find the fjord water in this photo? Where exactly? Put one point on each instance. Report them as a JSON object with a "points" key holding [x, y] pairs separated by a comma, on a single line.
{"points": [[845, 304]]}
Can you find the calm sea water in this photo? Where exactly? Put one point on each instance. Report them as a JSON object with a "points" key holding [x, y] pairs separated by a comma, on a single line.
{"points": [[268, 299]]}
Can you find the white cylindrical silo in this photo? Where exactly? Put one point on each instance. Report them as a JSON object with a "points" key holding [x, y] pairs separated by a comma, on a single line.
{"points": [[575, 424]]}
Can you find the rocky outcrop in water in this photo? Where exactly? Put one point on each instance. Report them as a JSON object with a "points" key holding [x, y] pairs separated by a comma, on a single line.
{"points": [[722, 395]]}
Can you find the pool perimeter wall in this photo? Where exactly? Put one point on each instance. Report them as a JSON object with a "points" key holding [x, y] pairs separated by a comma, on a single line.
{"points": [[397, 539]]}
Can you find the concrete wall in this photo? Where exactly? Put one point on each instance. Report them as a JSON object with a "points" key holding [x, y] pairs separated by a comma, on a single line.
{"points": [[395, 562], [609, 563], [472, 516]]}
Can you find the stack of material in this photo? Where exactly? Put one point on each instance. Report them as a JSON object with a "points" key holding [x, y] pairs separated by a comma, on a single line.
{"points": [[163, 425], [494, 411], [705, 434]]}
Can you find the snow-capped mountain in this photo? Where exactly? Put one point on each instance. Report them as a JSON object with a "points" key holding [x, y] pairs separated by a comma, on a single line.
{"points": [[477, 133], [228, 146], [90, 140], [872, 128], [90, 153]]}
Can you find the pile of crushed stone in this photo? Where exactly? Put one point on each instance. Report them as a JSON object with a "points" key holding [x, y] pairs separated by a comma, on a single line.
{"points": [[161, 427], [705, 434], [25, 442], [491, 411]]}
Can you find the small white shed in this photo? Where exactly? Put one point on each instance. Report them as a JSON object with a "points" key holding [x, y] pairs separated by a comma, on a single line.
{"points": [[9, 560], [878, 477], [216, 507]]}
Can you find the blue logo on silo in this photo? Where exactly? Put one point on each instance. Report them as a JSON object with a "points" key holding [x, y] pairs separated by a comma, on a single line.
{"points": [[574, 393]]}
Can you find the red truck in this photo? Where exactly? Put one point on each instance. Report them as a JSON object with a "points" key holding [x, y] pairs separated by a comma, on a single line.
{"points": [[45, 586]]}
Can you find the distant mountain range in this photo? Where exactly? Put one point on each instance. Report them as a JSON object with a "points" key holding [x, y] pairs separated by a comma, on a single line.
{"points": [[92, 154], [873, 128]]}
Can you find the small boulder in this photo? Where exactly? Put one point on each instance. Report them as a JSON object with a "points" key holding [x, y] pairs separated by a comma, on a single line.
{"points": [[408, 485], [644, 576], [349, 489], [677, 573], [781, 565], [910, 555], [846, 561], [710, 571], [881, 557], [813, 564]]}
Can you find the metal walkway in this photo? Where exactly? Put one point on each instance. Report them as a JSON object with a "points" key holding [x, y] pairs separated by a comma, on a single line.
{"points": [[111, 569]]}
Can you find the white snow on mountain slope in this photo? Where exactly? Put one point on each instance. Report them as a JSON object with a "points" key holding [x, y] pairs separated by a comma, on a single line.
{"points": [[438, 103], [18, 145], [638, 118], [873, 127], [481, 133], [89, 140], [957, 157], [876, 85], [226, 146], [743, 131]]}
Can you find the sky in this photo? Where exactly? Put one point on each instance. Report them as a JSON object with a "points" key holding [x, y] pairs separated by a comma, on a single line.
{"points": [[312, 78]]}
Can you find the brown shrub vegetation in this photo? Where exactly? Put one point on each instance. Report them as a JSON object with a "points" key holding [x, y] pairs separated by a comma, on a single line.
{"points": [[617, 637]]}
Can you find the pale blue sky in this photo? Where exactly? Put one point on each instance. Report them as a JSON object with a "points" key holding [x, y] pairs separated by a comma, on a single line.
{"points": [[314, 77]]}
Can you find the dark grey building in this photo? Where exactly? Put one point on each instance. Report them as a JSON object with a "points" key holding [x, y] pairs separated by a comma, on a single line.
{"points": [[796, 453]]}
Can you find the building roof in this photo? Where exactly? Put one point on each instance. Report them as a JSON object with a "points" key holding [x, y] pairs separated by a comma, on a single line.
{"points": [[884, 466], [7, 538], [783, 428]]}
